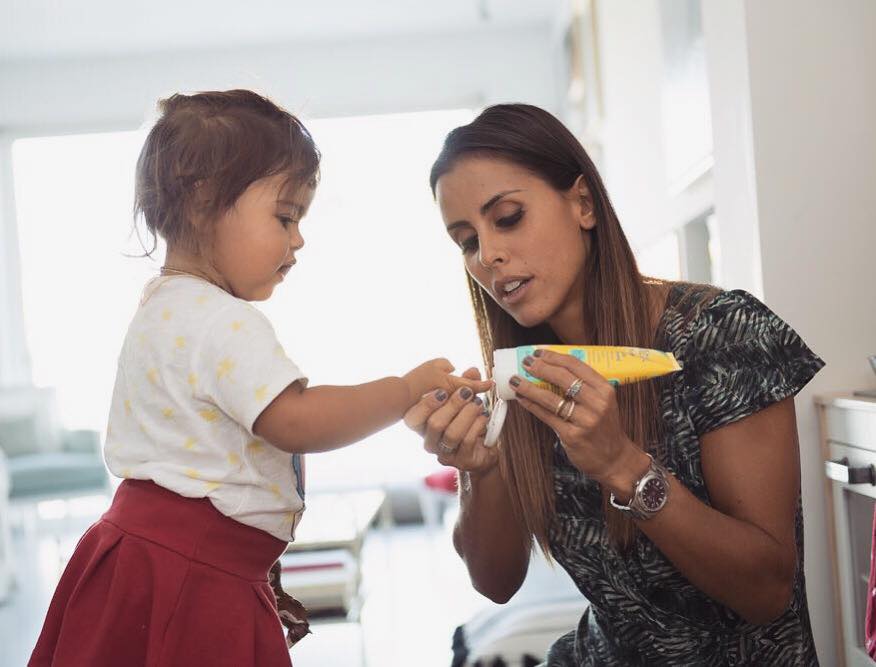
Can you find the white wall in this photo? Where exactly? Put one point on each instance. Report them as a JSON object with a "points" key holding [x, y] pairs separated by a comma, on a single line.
{"points": [[633, 161], [794, 103], [316, 80]]}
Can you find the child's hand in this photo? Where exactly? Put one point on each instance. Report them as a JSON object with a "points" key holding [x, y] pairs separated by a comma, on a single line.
{"points": [[436, 374]]}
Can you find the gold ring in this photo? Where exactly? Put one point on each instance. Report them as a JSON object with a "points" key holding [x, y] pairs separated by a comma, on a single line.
{"points": [[568, 409], [573, 390], [561, 407]]}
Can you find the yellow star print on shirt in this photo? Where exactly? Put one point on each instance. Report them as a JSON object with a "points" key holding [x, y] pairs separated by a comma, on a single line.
{"points": [[225, 368], [261, 392], [209, 414], [233, 459]]}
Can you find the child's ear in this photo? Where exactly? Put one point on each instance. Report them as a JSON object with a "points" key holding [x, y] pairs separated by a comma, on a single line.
{"points": [[199, 202], [584, 203]]}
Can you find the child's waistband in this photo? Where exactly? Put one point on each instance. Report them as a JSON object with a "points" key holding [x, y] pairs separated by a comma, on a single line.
{"points": [[193, 528]]}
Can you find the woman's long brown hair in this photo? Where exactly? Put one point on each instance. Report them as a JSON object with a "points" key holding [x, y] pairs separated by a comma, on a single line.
{"points": [[619, 308]]}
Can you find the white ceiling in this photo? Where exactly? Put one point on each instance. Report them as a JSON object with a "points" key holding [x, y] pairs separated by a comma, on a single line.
{"points": [[74, 28]]}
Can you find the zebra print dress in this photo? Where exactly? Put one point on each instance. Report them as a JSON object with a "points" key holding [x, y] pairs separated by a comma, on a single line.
{"points": [[738, 357]]}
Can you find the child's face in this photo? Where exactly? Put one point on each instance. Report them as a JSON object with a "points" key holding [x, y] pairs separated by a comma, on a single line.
{"points": [[255, 241]]}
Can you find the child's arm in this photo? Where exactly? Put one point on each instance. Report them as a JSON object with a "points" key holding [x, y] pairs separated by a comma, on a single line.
{"points": [[323, 418]]}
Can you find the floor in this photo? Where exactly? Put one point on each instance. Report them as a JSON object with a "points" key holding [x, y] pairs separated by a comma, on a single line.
{"points": [[416, 593]]}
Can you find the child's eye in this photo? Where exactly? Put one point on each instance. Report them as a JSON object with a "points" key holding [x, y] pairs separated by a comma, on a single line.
{"points": [[285, 220], [510, 220]]}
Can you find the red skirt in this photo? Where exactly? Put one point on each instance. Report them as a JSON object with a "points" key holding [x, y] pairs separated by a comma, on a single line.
{"points": [[164, 580]]}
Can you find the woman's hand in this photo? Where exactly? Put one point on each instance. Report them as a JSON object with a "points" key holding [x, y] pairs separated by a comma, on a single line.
{"points": [[592, 434], [453, 426]]}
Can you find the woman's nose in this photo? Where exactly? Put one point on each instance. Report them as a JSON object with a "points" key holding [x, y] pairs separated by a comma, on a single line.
{"points": [[490, 253]]}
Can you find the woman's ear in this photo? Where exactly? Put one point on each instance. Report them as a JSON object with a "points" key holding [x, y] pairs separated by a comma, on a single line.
{"points": [[583, 203]]}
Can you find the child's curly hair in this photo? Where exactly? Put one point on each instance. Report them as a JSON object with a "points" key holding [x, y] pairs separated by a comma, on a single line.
{"points": [[205, 150]]}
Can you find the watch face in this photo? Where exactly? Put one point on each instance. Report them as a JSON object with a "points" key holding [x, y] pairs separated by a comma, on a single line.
{"points": [[653, 494]]}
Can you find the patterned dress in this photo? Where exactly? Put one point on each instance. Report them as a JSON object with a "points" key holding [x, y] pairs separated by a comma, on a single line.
{"points": [[738, 357]]}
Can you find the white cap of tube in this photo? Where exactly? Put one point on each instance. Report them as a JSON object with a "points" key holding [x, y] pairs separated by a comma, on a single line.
{"points": [[497, 421], [504, 367]]}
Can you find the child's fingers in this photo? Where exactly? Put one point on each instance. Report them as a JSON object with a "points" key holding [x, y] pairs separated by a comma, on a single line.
{"points": [[415, 418], [478, 386]]}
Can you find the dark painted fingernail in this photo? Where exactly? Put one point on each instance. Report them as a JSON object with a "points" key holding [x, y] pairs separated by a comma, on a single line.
{"points": [[478, 400], [514, 381], [538, 352], [441, 395], [465, 393], [528, 361]]}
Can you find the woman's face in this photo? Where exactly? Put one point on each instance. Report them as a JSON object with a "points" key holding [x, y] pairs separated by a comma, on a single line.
{"points": [[523, 241]]}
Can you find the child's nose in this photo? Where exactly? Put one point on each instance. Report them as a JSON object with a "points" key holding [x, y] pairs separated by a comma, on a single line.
{"points": [[296, 240]]}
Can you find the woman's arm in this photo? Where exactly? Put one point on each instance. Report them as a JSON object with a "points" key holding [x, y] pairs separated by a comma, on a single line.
{"points": [[487, 536], [741, 551]]}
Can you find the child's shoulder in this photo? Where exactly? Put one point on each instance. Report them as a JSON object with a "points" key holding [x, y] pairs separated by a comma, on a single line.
{"points": [[190, 297]]}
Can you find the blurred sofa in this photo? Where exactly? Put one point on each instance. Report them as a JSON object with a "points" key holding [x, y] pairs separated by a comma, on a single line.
{"points": [[42, 458]]}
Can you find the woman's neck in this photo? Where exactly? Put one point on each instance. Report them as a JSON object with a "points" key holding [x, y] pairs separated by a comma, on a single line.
{"points": [[572, 328]]}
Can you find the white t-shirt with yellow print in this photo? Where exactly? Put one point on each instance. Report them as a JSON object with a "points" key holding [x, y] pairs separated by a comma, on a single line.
{"points": [[197, 367]]}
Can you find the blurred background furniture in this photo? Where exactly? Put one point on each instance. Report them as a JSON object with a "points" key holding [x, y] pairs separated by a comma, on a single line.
{"points": [[519, 633], [322, 568], [43, 459], [5, 537], [848, 446]]}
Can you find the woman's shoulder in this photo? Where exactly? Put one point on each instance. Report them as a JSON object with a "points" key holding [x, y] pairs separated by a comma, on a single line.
{"points": [[737, 355], [703, 314]]}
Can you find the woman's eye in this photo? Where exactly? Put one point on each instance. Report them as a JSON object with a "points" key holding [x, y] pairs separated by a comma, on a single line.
{"points": [[469, 245], [510, 220]]}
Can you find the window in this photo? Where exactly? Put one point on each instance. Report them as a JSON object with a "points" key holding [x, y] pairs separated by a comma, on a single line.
{"points": [[378, 290]]}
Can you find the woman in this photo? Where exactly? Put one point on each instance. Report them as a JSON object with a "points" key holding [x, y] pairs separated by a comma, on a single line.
{"points": [[703, 565]]}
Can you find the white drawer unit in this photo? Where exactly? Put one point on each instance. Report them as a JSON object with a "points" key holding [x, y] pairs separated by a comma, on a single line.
{"points": [[848, 429]]}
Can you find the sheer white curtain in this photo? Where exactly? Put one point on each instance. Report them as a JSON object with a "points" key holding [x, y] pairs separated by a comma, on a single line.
{"points": [[14, 358]]}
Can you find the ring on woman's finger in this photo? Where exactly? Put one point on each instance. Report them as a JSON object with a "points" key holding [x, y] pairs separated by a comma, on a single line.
{"points": [[445, 448], [575, 387], [561, 406], [566, 412]]}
